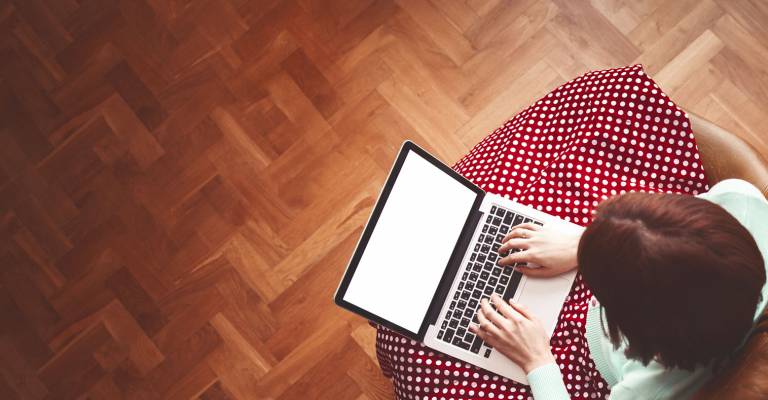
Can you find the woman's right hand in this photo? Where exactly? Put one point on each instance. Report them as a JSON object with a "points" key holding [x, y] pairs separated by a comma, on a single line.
{"points": [[553, 250]]}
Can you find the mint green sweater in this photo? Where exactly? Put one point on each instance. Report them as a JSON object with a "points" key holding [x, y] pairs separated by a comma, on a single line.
{"points": [[630, 379]]}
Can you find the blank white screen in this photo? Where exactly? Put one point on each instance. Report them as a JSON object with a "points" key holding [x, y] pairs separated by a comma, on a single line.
{"points": [[409, 249]]}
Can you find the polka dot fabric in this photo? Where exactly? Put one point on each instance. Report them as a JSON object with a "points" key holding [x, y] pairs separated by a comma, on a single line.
{"points": [[604, 133]]}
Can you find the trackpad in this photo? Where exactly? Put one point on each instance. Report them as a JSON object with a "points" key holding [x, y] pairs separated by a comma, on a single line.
{"points": [[544, 297]]}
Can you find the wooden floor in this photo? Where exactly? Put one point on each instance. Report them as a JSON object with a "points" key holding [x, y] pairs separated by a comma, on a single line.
{"points": [[182, 182]]}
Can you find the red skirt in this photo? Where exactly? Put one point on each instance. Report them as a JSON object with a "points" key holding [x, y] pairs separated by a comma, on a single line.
{"points": [[601, 134]]}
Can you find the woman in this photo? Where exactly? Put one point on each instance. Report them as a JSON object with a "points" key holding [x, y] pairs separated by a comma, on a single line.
{"points": [[677, 283], [599, 135]]}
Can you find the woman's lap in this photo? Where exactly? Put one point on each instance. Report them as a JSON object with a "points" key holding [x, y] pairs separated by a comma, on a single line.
{"points": [[604, 133]]}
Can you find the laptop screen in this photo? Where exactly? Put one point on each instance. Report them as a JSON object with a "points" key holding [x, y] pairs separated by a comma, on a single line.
{"points": [[410, 246]]}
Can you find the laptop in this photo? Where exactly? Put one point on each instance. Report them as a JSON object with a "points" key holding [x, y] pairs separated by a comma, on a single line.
{"points": [[429, 254]]}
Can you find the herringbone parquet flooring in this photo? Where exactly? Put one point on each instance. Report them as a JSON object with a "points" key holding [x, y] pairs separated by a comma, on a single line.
{"points": [[182, 182]]}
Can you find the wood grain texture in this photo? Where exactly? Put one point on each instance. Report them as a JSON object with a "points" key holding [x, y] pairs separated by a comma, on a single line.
{"points": [[182, 183]]}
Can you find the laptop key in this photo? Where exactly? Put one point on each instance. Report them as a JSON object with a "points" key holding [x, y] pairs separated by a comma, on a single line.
{"points": [[461, 286], [477, 293], [496, 221], [493, 230], [492, 256], [480, 258], [484, 275], [495, 247], [493, 281], [485, 228], [512, 287], [500, 212], [465, 295], [538, 223], [499, 290], [518, 220], [488, 290], [487, 353], [473, 277], [504, 279], [473, 256], [476, 344], [488, 239], [496, 272], [499, 238], [504, 229], [460, 343], [527, 220], [509, 218], [489, 219], [444, 324], [440, 335], [453, 323], [493, 209], [448, 334], [461, 332], [480, 285], [470, 286], [462, 304], [472, 304], [485, 249], [464, 322], [477, 268]]}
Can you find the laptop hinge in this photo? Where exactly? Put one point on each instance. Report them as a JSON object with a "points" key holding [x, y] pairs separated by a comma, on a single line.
{"points": [[454, 265]]}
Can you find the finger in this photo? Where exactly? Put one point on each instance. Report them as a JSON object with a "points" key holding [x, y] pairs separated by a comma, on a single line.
{"points": [[541, 272], [514, 243], [491, 314], [527, 225], [475, 328], [505, 309], [521, 309], [483, 335], [518, 232], [518, 257], [488, 328]]}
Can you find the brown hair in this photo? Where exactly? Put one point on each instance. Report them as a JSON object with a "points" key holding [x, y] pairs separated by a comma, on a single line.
{"points": [[677, 276]]}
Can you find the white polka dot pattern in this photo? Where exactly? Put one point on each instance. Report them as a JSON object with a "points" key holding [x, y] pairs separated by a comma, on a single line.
{"points": [[604, 133]]}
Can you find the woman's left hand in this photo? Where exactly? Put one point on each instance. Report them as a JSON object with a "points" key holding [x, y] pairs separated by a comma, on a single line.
{"points": [[515, 332]]}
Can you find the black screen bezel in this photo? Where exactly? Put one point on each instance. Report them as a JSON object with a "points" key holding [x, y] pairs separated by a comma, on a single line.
{"points": [[406, 148]]}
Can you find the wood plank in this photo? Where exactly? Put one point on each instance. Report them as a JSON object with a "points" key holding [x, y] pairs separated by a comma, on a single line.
{"points": [[182, 183]]}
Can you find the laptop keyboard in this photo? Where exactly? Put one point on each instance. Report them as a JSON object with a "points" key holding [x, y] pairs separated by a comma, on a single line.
{"points": [[480, 278]]}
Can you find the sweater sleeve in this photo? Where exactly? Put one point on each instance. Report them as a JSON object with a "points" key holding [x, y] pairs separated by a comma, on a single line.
{"points": [[547, 383]]}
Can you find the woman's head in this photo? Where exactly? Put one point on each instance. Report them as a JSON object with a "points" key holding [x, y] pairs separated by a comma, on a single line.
{"points": [[677, 276]]}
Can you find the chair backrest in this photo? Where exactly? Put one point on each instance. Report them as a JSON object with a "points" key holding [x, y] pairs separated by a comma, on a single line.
{"points": [[724, 155]]}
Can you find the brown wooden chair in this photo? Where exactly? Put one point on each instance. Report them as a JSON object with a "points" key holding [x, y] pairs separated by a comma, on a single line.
{"points": [[724, 155]]}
